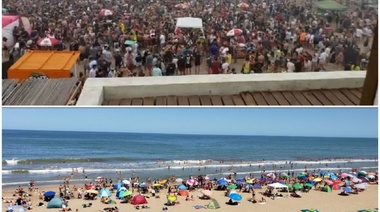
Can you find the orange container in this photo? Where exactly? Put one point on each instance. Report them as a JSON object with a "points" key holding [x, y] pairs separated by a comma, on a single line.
{"points": [[44, 63]]}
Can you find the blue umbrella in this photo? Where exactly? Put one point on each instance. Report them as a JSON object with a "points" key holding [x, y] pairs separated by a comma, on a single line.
{"points": [[322, 173], [142, 185], [49, 193], [236, 197], [182, 187], [240, 181], [347, 189], [222, 182]]}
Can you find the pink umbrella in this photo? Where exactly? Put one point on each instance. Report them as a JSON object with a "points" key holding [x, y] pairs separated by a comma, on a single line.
{"points": [[190, 182], [105, 12], [243, 5], [328, 182], [47, 41], [181, 6], [234, 32], [343, 175]]}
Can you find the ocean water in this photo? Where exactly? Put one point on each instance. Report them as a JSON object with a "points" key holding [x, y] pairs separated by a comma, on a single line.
{"points": [[48, 156]]}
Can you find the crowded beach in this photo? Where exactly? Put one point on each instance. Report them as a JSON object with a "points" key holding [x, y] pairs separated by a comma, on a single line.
{"points": [[306, 191], [122, 38]]}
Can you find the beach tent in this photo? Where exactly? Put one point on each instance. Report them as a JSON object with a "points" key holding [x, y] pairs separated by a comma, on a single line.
{"points": [[329, 5], [9, 22], [138, 200], [105, 192], [213, 204], [257, 186], [56, 202], [277, 185], [326, 189], [189, 22]]}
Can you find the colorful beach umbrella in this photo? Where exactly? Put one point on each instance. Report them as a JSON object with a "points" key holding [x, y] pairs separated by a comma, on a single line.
{"points": [[222, 182], [309, 210], [328, 182], [126, 182], [231, 186], [49, 193], [127, 193], [111, 202], [190, 182], [47, 41], [240, 181], [234, 32], [297, 186], [299, 193], [249, 181], [182, 187], [171, 198], [284, 175], [162, 181], [235, 197], [207, 192], [308, 185], [156, 185], [92, 191], [343, 175], [105, 12], [183, 193]]}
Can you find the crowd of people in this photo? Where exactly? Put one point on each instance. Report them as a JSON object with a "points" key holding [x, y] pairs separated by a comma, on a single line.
{"points": [[119, 38]]}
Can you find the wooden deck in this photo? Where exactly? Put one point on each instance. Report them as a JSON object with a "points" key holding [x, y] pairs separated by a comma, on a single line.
{"points": [[309, 97], [39, 91]]}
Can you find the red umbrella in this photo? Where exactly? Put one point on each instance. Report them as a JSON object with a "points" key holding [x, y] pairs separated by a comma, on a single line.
{"points": [[47, 41], [105, 12], [181, 6], [243, 5], [234, 32]]}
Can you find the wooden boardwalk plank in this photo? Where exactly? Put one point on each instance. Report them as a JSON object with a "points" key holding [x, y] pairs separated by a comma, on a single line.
{"points": [[321, 97], [258, 97], [238, 100], [330, 96], [290, 98], [280, 98], [171, 100], [205, 100], [216, 100], [127, 101], [114, 102], [341, 97], [311, 98], [356, 92], [184, 100], [350, 96], [269, 98], [148, 101], [137, 101], [227, 100], [194, 100], [248, 98], [161, 100], [301, 98]]}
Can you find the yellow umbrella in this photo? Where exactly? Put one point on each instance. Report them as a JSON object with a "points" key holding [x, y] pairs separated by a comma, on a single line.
{"points": [[157, 184], [162, 181], [317, 179], [92, 191], [172, 198], [249, 181]]}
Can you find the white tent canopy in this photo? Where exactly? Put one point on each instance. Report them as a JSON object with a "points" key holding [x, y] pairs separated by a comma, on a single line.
{"points": [[189, 22], [277, 185]]}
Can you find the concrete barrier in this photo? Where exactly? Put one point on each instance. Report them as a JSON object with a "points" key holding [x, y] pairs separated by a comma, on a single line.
{"points": [[96, 90]]}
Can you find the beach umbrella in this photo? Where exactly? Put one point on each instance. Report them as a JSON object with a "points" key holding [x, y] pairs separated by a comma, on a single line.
{"points": [[181, 6], [105, 12], [182, 187], [243, 5], [297, 186], [138, 200], [162, 181], [236, 197], [92, 191], [122, 189], [191, 182], [47, 41], [249, 181], [129, 42], [328, 182], [171, 198], [179, 180], [98, 179], [240, 181], [142, 185], [284, 175], [347, 189], [156, 185], [126, 182], [127, 193], [183, 193], [231, 186], [327, 189], [309, 210], [361, 185], [207, 192], [222, 182], [16, 208], [105, 192], [111, 202], [343, 175], [299, 193], [369, 210], [49, 193], [362, 173], [356, 180], [370, 176], [308, 185], [234, 32]]}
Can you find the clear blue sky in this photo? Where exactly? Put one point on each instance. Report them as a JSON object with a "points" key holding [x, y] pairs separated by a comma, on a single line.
{"points": [[340, 122]]}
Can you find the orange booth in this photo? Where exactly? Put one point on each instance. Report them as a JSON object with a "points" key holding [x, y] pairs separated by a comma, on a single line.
{"points": [[49, 64]]}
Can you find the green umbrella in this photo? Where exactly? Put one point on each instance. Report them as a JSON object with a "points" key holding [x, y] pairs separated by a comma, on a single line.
{"points": [[297, 186], [232, 186], [289, 186], [284, 175], [127, 193], [129, 42], [309, 210], [308, 185]]}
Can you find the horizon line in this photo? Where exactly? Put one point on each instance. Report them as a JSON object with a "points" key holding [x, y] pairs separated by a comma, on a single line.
{"points": [[163, 133]]}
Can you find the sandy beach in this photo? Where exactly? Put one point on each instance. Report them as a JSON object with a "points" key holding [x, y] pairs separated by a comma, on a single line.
{"points": [[322, 201]]}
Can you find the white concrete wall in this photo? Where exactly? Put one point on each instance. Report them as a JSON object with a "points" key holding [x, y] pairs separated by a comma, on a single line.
{"points": [[118, 88]]}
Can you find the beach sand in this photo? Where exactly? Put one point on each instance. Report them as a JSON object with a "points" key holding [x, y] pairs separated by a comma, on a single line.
{"points": [[313, 199]]}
